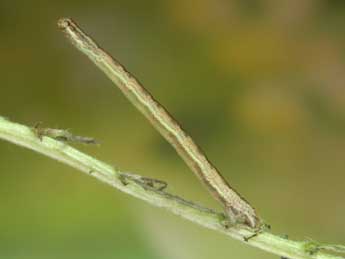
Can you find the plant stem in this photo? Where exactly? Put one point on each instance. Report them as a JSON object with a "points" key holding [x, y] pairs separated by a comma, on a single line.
{"points": [[26, 137]]}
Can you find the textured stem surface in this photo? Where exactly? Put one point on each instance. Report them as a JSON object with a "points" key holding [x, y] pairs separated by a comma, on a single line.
{"points": [[26, 137]]}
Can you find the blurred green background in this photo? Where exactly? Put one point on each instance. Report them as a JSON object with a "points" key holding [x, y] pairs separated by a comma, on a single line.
{"points": [[258, 84]]}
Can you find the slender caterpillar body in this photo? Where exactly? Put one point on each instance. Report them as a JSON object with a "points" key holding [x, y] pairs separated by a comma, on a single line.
{"points": [[236, 207]]}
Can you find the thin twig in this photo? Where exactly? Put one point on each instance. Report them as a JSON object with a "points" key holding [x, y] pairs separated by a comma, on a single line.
{"points": [[62, 135], [26, 137]]}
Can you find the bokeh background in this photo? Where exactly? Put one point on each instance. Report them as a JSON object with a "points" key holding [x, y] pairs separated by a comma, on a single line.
{"points": [[258, 84]]}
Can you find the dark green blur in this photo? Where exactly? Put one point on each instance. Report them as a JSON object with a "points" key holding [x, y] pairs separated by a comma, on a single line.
{"points": [[260, 85]]}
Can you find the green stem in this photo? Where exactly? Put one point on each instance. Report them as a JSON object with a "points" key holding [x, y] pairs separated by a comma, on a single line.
{"points": [[26, 137]]}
